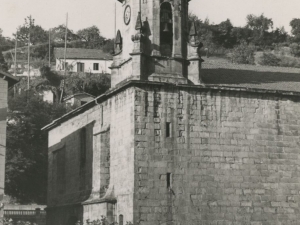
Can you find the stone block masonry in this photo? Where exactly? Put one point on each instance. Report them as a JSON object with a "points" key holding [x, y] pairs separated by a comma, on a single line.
{"points": [[215, 157], [153, 153]]}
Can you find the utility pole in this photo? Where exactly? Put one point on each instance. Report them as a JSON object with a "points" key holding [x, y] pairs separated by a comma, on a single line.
{"points": [[49, 49], [66, 34], [115, 20], [65, 67], [28, 77], [16, 45]]}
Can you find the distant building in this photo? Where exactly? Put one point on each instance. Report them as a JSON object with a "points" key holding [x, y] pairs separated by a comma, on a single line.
{"points": [[83, 60], [6, 81], [48, 96], [22, 69], [78, 99]]}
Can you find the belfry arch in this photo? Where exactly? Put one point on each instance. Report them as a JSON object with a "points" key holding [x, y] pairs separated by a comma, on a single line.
{"points": [[166, 29]]}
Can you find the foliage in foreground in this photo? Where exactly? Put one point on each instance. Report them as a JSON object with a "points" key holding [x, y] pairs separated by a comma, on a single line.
{"points": [[243, 54], [27, 145]]}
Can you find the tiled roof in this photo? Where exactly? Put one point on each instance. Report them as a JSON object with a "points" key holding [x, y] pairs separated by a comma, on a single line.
{"points": [[81, 53], [219, 73]]}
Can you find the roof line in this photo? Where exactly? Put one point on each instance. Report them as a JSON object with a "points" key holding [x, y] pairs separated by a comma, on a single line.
{"points": [[11, 79], [126, 84], [107, 59], [77, 94]]}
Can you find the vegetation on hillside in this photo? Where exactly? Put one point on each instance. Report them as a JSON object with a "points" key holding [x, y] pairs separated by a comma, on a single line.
{"points": [[258, 35], [89, 37]]}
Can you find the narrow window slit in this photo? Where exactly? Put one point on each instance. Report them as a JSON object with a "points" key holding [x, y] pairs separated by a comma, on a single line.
{"points": [[169, 178], [168, 129]]}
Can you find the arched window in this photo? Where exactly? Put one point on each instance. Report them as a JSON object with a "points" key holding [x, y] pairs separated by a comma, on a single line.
{"points": [[166, 29], [121, 219]]}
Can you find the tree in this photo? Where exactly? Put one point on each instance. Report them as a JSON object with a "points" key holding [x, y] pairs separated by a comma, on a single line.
{"points": [[3, 45], [295, 49], [26, 159], [50, 81], [3, 64], [58, 34], [295, 24], [260, 26], [37, 33], [260, 23], [222, 34], [108, 45], [91, 37], [279, 35], [93, 84], [242, 34]]}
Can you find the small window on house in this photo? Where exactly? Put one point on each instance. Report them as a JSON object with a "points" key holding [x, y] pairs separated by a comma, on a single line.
{"points": [[64, 65], [80, 67], [121, 219], [96, 66], [169, 180], [168, 129]]}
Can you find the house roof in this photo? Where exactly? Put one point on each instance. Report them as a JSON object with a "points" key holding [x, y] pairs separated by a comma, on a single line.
{"points": [[80, 96], [81, 53], [222, 73], [10, 78]]}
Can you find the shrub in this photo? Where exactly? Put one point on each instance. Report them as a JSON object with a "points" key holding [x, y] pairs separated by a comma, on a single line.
{"points": [[289, 62], [243, 54], [269, 59], [295, 49]]}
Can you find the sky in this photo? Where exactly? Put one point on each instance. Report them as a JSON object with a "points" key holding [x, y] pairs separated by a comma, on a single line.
{"points": [[86, 13]]}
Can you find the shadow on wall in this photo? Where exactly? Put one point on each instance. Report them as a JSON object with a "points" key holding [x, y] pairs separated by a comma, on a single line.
{"points": [[252, 79], [71, 168]]}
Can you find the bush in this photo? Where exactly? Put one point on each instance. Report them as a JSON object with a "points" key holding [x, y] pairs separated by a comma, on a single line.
{"points": [[269, 59], [295, 49], [243, 54], [289, 62]]}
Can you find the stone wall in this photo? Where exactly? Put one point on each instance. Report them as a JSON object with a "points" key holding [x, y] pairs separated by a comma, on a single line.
{"points": [[216, 157], [81, 173], [3, 112]]}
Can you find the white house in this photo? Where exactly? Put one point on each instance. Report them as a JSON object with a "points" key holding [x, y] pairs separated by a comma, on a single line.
{"points": [[83, 60]]}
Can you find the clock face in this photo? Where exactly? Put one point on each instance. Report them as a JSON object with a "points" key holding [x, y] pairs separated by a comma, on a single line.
{"points": [[127, 15]]}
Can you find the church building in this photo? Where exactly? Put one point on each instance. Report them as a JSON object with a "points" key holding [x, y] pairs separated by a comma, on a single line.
{"points": [[177, 140]]}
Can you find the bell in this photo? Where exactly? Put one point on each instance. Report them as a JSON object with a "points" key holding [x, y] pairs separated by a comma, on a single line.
{"points": [[166, 28]]}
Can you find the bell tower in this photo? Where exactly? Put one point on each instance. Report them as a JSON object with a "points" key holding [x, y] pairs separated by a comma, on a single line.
{"points": [[154, 43]]}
